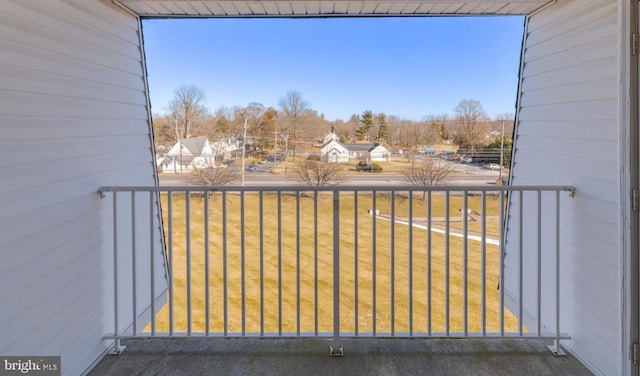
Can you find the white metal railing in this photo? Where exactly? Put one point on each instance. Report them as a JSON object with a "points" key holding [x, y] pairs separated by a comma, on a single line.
{"points": [[339, 262]]}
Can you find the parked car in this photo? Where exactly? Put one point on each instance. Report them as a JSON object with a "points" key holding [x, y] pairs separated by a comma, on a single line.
{"points": [[492, 166]]}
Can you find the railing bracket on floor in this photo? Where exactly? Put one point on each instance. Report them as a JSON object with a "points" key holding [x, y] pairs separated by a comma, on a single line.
{"points": [[333, 351], [555, 349], [117, 349]]}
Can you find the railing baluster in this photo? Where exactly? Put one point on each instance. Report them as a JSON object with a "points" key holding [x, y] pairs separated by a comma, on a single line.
{"points": [[429, 280], [242, 265], [188, 251], [279, 263], [355, 261], [336, 266], [225, 303], [133, 263], [556, 342], [373, 266], [171, 266], [315, 260], [116, 329], [261, 263], [539, 276], [520, 261], [465, 257], [410, 240], [392, 196], [501, 255], [298, 263], [483, 230], [207, 320], [447, 214], [151, 264]]}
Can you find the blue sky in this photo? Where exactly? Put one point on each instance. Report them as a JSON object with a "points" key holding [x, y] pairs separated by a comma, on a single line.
{"points": [[408, 67]]}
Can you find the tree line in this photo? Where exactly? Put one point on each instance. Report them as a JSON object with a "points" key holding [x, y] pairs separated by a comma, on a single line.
{"points": [[295, 122]]}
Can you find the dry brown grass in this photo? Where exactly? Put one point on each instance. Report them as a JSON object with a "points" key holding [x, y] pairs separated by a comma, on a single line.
{"points": [[393, 166], [280, 246]]}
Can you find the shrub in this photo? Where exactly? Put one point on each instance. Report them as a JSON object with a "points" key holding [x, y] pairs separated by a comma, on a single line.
{"points": [[372, 167]]}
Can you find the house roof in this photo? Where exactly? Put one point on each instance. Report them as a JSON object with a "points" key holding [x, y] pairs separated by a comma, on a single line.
{"points": [[363, 147], [324, 8], [358, 147], [194, 145]]}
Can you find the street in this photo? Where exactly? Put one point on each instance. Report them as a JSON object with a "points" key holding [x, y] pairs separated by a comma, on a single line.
{"points": [[463, 175]]}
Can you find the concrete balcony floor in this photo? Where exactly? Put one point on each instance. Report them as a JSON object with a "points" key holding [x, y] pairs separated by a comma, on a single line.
{"points": [[205, 356]]}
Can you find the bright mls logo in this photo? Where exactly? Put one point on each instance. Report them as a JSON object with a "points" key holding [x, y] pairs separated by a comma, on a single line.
{"points": [[30, 365]]}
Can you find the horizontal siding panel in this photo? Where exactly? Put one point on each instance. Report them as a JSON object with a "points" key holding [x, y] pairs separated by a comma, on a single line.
{"points": [[43, 60], [593, 153], [603, 284], [40, 157], [45, 174], [574, 129], [531, 173], [58, 130], [74, 220], [568, 57], [82, 29], [84, 318], [13, 203], [64, 285], [550, 24], [604, 68], [107, 20], [15, 103], [51, 204], [51, 261], [596, 90], [19, 79], [604, 110], [588, 21], [32, 35], [602, 360]]}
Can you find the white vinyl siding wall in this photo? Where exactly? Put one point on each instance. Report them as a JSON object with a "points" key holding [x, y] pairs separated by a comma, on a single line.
{"points": [[567, 133], [73, 117]]}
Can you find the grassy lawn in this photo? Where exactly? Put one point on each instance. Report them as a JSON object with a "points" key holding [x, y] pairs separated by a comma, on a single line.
{"points": [[300, 248]]}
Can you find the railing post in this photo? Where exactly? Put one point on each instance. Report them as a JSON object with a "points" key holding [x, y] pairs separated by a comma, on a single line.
{"points": [[336, 349], [555, 348]]}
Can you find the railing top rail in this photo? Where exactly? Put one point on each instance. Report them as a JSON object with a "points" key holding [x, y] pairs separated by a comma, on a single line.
{"points": [[345, 188]]}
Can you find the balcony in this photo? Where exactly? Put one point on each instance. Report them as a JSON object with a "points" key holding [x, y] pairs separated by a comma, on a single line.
{"points": [[277, 275]]}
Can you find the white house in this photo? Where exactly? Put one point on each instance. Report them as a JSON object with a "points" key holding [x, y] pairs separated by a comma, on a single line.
{"points": [[374, 152], [334, 151], [224, 148], [379, 153], [74, 81], [191, 154]]}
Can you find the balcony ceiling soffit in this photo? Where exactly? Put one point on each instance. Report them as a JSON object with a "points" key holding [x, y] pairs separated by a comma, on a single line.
{"points": [[327, 8]]}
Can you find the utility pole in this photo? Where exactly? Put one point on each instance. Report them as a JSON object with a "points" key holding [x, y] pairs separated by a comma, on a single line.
{"points": [[286, 151], [501, 151], [275, 148], [244, 147]]}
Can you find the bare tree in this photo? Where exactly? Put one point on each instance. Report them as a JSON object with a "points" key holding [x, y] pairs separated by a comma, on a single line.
{"points": [[293, 110], [214, 176], [187, 109], [429, 173], [410, 136], [471, 119], [312, 172]]}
